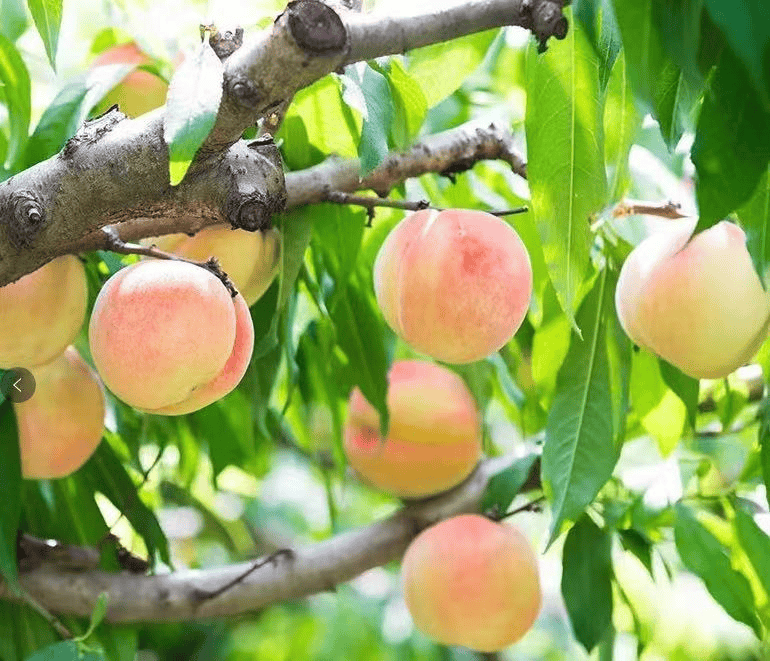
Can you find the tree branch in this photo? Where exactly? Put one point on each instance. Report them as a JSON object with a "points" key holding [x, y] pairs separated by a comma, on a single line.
{"points": [[115, 169], [304, 571]]}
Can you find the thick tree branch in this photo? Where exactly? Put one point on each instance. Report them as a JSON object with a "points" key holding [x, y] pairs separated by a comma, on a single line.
{"points": [[116, 169], [453, 150], [306, 570]]}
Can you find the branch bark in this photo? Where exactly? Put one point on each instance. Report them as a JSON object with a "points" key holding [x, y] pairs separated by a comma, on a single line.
{"points": [[180, 596], [116, 169]]}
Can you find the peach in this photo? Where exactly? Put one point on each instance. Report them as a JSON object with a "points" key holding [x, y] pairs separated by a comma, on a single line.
{"points": [[42, 312], [167, 337], [61, 425], [472, 582], [434, 440], [454, 284], [695, 301], [140, 91], [250, 259]]}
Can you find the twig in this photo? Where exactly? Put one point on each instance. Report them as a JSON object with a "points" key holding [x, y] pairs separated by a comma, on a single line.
{"points": [[338, 197], [117, 245], [532, 506], [668, 210], [204, 595], [63, 631]]}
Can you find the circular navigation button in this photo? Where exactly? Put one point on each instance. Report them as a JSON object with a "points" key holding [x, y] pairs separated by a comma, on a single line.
{"points": [[18, 385]]}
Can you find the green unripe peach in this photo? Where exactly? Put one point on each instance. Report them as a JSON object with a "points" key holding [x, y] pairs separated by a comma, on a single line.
{"points": [[454, 284], [42, 312], [695, 301], [61, 425], [434, 440], [167, 337], [472, 582]]}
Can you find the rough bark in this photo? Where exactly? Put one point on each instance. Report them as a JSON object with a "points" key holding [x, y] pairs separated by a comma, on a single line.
{"points": [[301, 572], [116, 169]]}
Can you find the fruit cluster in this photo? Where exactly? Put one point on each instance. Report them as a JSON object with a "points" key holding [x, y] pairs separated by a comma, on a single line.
{"points": [[167, 337]]}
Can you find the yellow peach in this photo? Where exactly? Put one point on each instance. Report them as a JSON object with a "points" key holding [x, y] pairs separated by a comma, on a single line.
{"points": [[42, 312], [250, 259], [167, 337], [472, 582], [454, 284], [434, 440], [61, 425], [695, 301]]}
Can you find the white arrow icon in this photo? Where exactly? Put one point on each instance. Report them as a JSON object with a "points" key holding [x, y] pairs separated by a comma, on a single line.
{"points": [[16, 385]]}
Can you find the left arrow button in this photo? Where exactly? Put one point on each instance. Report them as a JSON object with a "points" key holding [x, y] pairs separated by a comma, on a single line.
{"points": [[18, 385]]}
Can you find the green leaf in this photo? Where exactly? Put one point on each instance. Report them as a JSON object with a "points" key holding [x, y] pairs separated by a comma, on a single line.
{"points": [[597, 18], [756, 544], [685, 387], [505, 486], [428, 65], [14, 21], [359, 333], [106, 474], [754, 216], [193, 101], [338, 232], [47, 16], [373, 147], [621, 122], [319, 107], [586, 582], [655, 74], [14, 82], [66, 650], [763, 436], [97, 615], [296, 230], [565, 147], [585, 423], [746, 26], [70, 108], [10, 494], [732, 145], [226, 426], [409, 104], [705, 557], [638, 544], [661, 413]]}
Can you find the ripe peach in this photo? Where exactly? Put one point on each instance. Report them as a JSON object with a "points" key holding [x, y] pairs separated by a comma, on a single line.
{"points": [[61, 426], [696, 302], [167, 337], [140, 91], [42, 312], [453, 284], [472, 582], [434, 440], [250, 259]]}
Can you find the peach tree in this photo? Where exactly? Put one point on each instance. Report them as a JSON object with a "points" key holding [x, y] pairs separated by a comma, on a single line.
{"points": [[310, 287]]}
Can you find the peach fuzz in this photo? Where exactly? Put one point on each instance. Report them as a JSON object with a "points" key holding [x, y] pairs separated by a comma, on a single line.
{"points": [[434, 440], [167, 337], [140, 91], [250, 259], [695, 301], [472, 582], [42, 312], [454, 284], [61, 425]]}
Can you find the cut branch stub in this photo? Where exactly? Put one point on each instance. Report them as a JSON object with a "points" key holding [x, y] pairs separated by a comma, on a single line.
{"points": [[316, 27], [546, 20], [27, 217], [258, 187]]}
